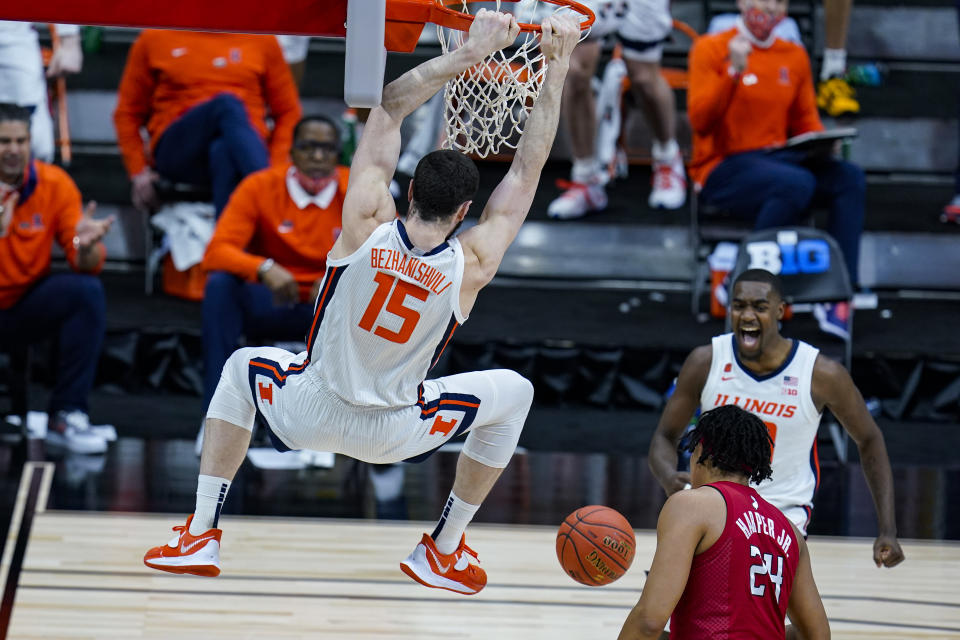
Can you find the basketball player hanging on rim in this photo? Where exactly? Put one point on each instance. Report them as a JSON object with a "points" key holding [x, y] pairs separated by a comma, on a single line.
{"points": [[728, 564], [788, 384], [394, 292]]}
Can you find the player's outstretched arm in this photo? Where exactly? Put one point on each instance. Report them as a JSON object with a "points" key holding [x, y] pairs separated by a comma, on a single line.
{"points": [[508, 205], [805, 607], [833, 388], [675, 417], [680, 528], [368, 202]]}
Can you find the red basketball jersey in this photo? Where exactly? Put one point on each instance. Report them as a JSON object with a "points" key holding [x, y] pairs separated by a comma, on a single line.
{"points": [[738, 588]]}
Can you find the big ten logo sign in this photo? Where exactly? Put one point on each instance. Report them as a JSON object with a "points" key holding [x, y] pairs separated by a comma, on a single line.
{"points": [[790, 255]]}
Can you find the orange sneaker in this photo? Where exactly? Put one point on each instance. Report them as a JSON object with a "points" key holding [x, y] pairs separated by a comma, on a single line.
{"points": [[197, 555], [459, 571]]}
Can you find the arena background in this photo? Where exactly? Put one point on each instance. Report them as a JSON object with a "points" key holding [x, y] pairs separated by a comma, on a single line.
{"points": [[595, 312]]}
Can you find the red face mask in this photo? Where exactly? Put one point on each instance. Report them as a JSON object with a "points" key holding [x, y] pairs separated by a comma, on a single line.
{"points": [[313, 186], [760, 24]]}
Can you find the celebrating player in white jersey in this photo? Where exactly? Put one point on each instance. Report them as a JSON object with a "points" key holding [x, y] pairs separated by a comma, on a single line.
{"points": [[787, 384], [394, 292]]}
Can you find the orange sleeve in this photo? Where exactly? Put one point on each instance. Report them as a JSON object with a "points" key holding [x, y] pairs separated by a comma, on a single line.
{"points": [[804, 116], [68, 208], [711, 87], [283, 100], [227, 250], [134, 104]]}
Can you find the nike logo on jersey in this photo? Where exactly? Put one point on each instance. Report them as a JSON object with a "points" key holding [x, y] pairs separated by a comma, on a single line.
{"points": [[725, 378]]}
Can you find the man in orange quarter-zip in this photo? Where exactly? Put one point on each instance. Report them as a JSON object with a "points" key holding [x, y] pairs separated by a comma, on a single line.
{"points": [[40, 204], [204, 99], [268, 253]]}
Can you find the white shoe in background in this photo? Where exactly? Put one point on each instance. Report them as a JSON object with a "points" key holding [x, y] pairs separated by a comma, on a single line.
{"points": [[578, 200], [71, 429], [669, 184]]}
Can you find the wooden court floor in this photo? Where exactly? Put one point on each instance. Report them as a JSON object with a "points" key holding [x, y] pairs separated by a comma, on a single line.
{"points": [[80, 575]]}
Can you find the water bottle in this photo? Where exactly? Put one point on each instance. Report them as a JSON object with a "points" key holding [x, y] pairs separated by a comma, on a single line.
{"points": [[870, 74]]}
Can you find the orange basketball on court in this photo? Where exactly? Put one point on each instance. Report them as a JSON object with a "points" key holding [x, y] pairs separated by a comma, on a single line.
{"points": [[595, 545]]}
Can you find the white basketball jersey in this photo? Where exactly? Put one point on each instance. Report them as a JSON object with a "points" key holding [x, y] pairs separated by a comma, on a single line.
{"points": [[383, 316], [783, 400]]}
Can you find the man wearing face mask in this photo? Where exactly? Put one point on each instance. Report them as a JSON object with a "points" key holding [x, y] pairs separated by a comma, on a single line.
{"points": [[749, 92], [268, 252]]}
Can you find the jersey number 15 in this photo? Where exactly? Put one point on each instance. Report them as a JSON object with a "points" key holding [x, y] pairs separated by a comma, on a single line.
{"points": [[395, 306]]}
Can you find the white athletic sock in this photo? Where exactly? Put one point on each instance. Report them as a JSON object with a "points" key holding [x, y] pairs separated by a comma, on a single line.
{"points": [[584, 170], [457, 514], [211, 492], [834, 63], [665, 152]]}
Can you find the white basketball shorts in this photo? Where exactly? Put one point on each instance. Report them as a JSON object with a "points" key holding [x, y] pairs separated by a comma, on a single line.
{"points": [[800, 516], [641, 25], [301, 412]]}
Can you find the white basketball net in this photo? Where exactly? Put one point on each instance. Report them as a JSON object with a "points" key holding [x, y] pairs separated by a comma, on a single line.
{"points": [[487, 105]]}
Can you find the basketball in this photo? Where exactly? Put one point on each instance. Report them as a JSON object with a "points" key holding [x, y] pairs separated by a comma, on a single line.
{"points": [[595, 545]]}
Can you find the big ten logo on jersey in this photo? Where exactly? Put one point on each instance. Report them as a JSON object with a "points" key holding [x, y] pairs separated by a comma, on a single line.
{"points": [[790, 255]]}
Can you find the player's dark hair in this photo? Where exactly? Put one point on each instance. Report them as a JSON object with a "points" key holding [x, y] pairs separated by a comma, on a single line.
{"points": [[319, 118], [10, 111], [761, 275], [443, 181], [735, 441]]}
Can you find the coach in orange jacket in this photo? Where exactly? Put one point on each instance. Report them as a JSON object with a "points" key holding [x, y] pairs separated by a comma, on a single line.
{"points": [[750, 91], [269, 250], [204, 99], [40, 204]]}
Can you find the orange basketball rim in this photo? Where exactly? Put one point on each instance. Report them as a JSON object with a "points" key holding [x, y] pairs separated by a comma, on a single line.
{"points": [[406, 18]]}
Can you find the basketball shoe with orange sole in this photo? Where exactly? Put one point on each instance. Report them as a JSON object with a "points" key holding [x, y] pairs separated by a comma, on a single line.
{"points": [[459, 571], [186, 553]]}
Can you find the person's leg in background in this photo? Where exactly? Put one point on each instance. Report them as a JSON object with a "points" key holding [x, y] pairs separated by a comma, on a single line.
{"points": [[841, 186], [186, 151], [586, 192], [770, 189], [71, 306], [22, 82], [646, 25], [835, 96], [295, 49], [951, 212], [225, 175]]}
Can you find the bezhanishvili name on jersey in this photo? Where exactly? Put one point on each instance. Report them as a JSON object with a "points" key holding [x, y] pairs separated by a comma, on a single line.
{"points": [[414, 268]]}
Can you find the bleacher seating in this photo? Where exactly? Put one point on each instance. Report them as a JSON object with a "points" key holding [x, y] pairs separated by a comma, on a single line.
{"points": [[907, 145]]}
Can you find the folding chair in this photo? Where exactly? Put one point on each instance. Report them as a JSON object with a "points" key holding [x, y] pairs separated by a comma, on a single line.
{"points": [[812, 269]]}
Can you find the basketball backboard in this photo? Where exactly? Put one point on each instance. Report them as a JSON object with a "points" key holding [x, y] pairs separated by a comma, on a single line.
{"points": [[364, 65]]}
